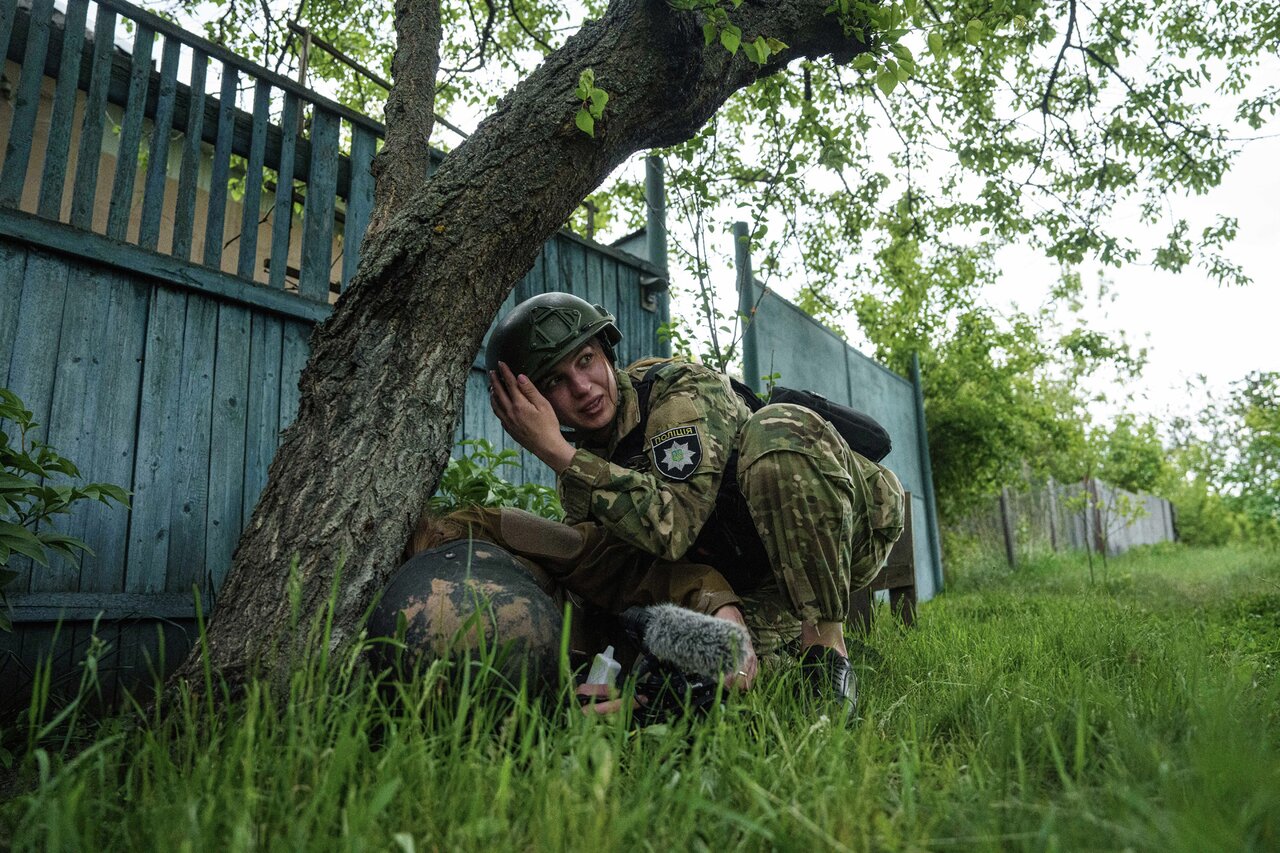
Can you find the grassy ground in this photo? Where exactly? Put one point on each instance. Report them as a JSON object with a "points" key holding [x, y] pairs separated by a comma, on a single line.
{"points": [[1028, 710]]}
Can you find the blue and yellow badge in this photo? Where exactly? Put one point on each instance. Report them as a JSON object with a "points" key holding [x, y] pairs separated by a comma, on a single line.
{"points": [[677, 452]]}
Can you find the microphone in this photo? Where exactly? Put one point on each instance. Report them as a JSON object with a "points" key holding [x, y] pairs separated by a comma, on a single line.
{"points": [[687, 640]]}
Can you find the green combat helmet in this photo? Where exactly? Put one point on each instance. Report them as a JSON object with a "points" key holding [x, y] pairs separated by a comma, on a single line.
{"points": [[471, 598], [543, 329]]}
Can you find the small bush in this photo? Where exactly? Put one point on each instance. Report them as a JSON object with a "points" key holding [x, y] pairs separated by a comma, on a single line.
{"points": [[473, 479]]}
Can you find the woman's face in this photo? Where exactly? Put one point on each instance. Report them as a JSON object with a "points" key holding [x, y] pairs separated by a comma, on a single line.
{"points": [[583, 389]]}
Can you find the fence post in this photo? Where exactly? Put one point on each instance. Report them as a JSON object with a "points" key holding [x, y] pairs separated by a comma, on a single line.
{"points": [[1007, 519], [1053, 515], [746, 300], [655, 202], [1095, 501], [926, 473]]}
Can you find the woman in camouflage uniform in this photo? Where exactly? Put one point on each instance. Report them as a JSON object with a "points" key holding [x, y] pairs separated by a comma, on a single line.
{"points": [[667, 459]]}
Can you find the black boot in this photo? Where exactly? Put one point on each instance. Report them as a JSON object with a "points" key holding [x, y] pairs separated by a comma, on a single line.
{"points": [[830, 678]]}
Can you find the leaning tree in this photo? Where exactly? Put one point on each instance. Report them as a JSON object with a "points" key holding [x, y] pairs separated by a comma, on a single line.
{"points": [[384, 384], [1044, 116]]}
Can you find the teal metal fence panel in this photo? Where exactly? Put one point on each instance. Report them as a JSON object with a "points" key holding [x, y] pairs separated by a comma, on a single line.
{"points": [[805, 354]]}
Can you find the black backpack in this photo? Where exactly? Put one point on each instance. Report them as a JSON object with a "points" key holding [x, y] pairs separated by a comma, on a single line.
{"points": [[861, 431]]}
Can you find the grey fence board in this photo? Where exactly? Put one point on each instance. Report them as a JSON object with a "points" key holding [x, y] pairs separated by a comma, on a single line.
{"points": [[31, 369], [227, 442], [158, 150], [85, 189], [184, 217], [27, 101], [295, 348], [154, 473], [116, 422], [359, 200], [217, 210], [53, 184], [13, 267], [189, 508], [253, 182], [263, 424], [282, 213], [77, 382], [317, 216], [130, 136]]}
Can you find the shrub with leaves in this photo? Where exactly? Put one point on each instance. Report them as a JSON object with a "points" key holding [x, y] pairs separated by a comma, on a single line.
{"points": [[472, 479], [30, 495]]}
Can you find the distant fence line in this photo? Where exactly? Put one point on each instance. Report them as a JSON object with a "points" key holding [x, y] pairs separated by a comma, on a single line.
{"points": [[1091, 515]]}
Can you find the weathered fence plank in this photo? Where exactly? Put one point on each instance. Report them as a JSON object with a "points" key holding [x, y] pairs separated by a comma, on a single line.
{"points": [[85, 191], [252, 204], [154, 487], [158, 150], [216, 218], [295, 348], [317, 217], [76, 384], [227, 439], [282, 213], [31, 367], [13, 267], [17, 152], [53, 184], [130, 136], [189, 510], [184, 216], [115, 419], [263, 425], [359, 200]]}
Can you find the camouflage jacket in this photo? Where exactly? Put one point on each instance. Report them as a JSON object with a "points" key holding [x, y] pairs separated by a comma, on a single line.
{"points": [[660, 500]]}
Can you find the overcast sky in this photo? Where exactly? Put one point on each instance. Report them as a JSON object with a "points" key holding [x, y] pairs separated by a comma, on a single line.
{"points": [[1189, 324]]}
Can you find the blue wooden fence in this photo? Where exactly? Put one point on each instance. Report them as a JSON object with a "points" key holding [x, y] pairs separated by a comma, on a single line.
{"points": [[158, 285]]}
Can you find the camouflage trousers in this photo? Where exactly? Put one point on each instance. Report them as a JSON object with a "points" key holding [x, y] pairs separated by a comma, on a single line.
{"points": [[827, 515]]}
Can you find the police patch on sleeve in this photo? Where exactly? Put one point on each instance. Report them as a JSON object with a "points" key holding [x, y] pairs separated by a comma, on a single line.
{"points": [[677, 452]]}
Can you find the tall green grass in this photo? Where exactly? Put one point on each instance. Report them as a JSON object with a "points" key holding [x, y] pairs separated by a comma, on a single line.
{"points": [[1027, 710]]}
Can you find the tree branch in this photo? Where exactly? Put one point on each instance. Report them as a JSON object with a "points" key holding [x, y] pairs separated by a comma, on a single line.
{"points": [[400, 168]]}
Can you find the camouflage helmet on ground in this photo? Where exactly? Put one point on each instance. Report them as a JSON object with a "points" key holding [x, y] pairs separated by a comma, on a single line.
{"points": [[537, 333], [471, 598]]}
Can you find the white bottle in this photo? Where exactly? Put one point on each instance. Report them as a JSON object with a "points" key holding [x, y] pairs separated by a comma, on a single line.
{"points": [[604, 669]]}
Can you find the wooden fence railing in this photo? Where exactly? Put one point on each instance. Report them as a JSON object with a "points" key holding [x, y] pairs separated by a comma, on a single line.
{"points": [[168, 160]]}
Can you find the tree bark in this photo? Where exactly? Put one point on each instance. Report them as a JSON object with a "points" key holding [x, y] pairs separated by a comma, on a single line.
{"points": [[385, 381]]}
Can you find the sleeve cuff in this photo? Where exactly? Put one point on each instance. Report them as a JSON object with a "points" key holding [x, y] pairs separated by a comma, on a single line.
{"points": [[585, 472]]}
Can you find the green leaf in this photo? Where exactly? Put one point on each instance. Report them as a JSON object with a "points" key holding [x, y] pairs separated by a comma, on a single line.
{"points": [[762, 49], [709, 32], [599, 97], [887, 81], [23, 541], [585, 123], [973, 31], [776, 45], [753, 52], [864, 62], [731, 37]]}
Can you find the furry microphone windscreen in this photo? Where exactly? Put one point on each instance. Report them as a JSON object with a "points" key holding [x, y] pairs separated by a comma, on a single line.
{"points": [[690, 641]]}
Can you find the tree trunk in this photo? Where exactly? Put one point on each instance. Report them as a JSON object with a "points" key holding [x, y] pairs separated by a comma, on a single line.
{"points": [[384, 385]]}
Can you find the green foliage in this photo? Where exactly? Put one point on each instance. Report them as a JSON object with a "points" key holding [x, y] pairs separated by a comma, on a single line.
{"points": [[32, 496], [1224, 474], [592, 102], [473, 479], [1028, 711], [1132, 454]]}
